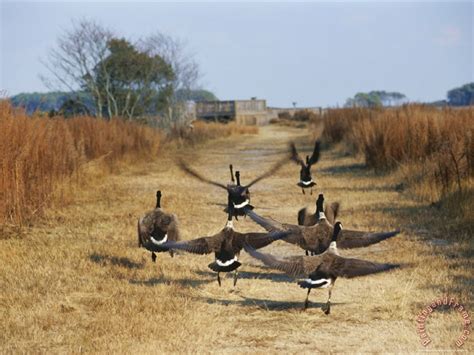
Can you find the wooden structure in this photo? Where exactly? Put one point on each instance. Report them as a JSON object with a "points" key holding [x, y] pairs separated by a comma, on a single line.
{"points": [[247, 112]]}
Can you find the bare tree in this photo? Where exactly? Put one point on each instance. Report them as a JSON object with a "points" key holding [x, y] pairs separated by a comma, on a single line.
{"points": [[186, 70], [73, 62]]}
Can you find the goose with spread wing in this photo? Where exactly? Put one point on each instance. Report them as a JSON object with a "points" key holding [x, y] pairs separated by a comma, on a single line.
{"points": [[238, 195], [226, 246], [306, 180], [321, 271]]}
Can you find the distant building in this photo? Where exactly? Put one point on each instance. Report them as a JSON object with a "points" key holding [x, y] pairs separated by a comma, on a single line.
{"points": [[247, 112]]}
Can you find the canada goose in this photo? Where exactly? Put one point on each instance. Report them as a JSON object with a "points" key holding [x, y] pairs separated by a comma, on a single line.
{"points": [[238, 195], [321, 271], [159, 227], [306, 181], [245, 197], [226, 245], [317, 238], [310, 219]]}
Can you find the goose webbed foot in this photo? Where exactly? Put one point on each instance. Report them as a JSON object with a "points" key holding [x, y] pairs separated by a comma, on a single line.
{"points": [[219, 279], [327, 308], [236, 275], [153, 257], [306, 302]]}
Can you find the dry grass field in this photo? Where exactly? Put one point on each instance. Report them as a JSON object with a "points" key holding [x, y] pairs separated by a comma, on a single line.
{"points": [[77, 282]]}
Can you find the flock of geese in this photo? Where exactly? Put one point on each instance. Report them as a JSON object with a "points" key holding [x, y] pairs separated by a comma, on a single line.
{"points": [[318, 234]]}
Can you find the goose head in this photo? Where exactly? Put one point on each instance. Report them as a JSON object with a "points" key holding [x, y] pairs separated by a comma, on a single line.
{"points": [[237, 176]]}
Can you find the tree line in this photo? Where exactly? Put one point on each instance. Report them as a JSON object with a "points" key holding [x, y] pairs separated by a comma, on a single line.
{"points": [[107, 75], [460, 96]]}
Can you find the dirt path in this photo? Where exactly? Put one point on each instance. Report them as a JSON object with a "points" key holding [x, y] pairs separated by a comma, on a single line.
{"points": [[79, 283]]}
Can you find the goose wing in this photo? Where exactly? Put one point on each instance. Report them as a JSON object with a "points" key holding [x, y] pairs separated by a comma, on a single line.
{"points": [[295, 156], [269, 172], [293, 267], [348, 267], [356, 239], [257, 240], [188, 170], [294, 235], [173, 229], [316, 153], [332, 212], [302, 216], [204, 245], [269, 224]]}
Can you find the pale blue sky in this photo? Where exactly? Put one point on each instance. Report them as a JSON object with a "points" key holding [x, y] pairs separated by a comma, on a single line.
{"points": [[317, 54]]}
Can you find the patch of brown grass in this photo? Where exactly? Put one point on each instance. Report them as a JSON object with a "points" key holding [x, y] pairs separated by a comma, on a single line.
{"points": [[433, 148], [78, 283]]}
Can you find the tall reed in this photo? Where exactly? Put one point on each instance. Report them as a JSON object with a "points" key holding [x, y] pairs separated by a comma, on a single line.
{"points": [[434, 146], [37, 153]]}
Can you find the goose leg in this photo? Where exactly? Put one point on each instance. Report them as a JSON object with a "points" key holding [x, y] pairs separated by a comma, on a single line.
{"points": [[306, 302], [327, 309], [303, 191], [236, 275], [153, 257], [306, 252], [311, 191], [219, 279], [172, 253]]}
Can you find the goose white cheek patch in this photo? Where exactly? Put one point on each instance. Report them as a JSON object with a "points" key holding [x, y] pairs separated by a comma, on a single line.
{"points": [[323, 283], [159, 242], [226, 263], [243, 204]]}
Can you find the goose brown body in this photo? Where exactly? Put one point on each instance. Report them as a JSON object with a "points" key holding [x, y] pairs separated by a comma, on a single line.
{"points": [[157, 226], [306, 218]]}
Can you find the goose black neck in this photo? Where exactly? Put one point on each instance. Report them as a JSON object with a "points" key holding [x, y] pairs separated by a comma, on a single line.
{"points": [[237, 176], [231, 172], [230, 209], [320, 204], [337, 230], [158, 199], [307, 159]]}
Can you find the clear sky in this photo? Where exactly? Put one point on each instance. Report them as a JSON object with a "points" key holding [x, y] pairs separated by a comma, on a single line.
{"points": [[317, 54]]}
